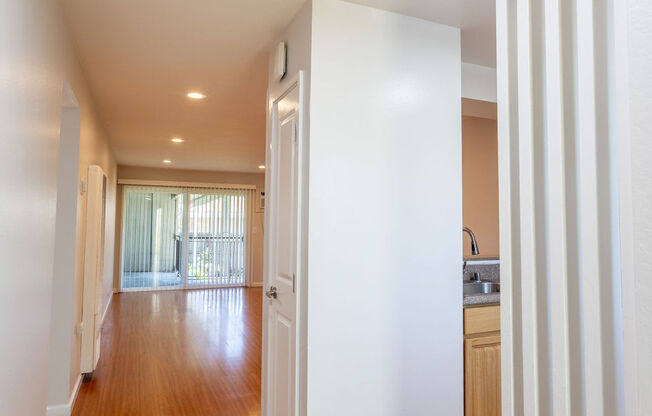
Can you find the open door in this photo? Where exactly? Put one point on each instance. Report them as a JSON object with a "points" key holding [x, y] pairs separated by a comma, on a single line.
{"points": [[93, 269], [281, 366]]}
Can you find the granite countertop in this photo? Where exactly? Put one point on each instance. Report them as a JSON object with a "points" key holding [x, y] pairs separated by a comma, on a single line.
{"points": [[481, 299], [489, 270]]}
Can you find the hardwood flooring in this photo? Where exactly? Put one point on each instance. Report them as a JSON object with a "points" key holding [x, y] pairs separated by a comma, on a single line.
{"points": [[194, 352]]}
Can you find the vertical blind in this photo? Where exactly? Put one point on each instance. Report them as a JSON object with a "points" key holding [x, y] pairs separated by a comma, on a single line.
{"points": [[185, 237], [217, 236]]}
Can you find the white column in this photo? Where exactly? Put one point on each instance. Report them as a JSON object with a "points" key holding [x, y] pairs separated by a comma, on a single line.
{"points": [[633, 101], [560, 248]]}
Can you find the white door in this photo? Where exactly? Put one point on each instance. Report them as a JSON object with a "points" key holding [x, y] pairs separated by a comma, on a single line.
{"points": [[93, 269], [280, 325]]}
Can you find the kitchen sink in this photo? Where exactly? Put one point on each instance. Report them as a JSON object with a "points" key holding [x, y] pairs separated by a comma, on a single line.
{"points": [[474, 288]]}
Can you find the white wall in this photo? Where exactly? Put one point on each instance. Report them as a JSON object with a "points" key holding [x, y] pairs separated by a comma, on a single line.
{"points": [[94, 149], [634, 24], [385, 208], [36, 56], [30, 106], [297, 37], [478, 82], [65, 251]]}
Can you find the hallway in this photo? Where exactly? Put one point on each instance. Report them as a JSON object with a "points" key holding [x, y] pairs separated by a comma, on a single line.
{"points": [[193, 352]]}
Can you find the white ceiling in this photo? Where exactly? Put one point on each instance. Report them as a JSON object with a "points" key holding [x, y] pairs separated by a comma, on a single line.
{"points": [[476, 18], [140, 57]]}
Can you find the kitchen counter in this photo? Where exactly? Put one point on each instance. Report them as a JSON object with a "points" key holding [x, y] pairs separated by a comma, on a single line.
{"points": [[489, 271], [481, 299]]}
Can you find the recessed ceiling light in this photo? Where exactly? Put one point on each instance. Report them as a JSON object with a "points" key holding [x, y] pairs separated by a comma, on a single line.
{"points": [[168, 161], [261, 166], [196, 95], [178, 140]]}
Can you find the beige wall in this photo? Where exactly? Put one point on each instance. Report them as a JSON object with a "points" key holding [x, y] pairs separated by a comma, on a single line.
{"points": [[206, 176], [94, 149], [480, 183], [37, 56]]}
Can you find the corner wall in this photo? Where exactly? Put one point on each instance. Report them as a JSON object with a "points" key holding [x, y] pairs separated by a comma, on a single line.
{"points": [[385, 234]]}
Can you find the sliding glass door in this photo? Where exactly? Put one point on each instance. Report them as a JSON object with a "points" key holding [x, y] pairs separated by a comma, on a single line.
{"points": [[216, 238], [182, 237], [152, 250]]}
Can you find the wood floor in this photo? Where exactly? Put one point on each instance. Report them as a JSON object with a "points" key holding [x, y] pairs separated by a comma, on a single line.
{"points": [[194, 352]]}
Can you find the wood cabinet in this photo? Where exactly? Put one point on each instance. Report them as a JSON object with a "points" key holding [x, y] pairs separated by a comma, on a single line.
{"points": [[482, 361]]}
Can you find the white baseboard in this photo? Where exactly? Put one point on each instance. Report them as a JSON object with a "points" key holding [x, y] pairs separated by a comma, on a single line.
{"points": [[65, 409], [108, 304], [256, 284], [59, 410]]}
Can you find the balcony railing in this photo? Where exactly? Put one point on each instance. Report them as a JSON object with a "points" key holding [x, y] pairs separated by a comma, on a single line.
{"points": [[215, 260]]}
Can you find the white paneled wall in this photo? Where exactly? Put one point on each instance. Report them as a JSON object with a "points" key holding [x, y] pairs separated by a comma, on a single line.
{"points": [[560, 248]]}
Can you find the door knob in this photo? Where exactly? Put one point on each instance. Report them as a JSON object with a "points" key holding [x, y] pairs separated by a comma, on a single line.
{"points": [[271, 293]]}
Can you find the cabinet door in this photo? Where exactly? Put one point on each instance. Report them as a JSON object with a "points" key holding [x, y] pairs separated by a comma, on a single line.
{"points": [[482, 376]]}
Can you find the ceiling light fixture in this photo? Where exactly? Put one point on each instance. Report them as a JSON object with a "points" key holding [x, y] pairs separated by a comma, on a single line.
{"points": [[168, 161], [178, 140], [196, 95], [261, 166]]}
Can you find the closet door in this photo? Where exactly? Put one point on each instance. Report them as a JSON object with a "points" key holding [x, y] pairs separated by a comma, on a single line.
{"points": [[93, 269]]}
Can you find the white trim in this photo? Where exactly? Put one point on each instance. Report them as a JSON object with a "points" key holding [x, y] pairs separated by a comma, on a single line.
{"points": [[65, 409], [505, 103], [106, 309], [481, 262], [622, 125], [145, 182]]}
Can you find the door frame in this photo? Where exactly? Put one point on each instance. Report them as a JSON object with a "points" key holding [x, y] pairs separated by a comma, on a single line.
{"points": [[274, 94]]}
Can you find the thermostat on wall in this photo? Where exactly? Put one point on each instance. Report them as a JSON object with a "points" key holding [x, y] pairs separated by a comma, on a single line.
{"points": [[280, 61]]}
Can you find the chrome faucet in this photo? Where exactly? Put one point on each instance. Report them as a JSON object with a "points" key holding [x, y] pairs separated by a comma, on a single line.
{"points": [[474, 251], [474, 243]]}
